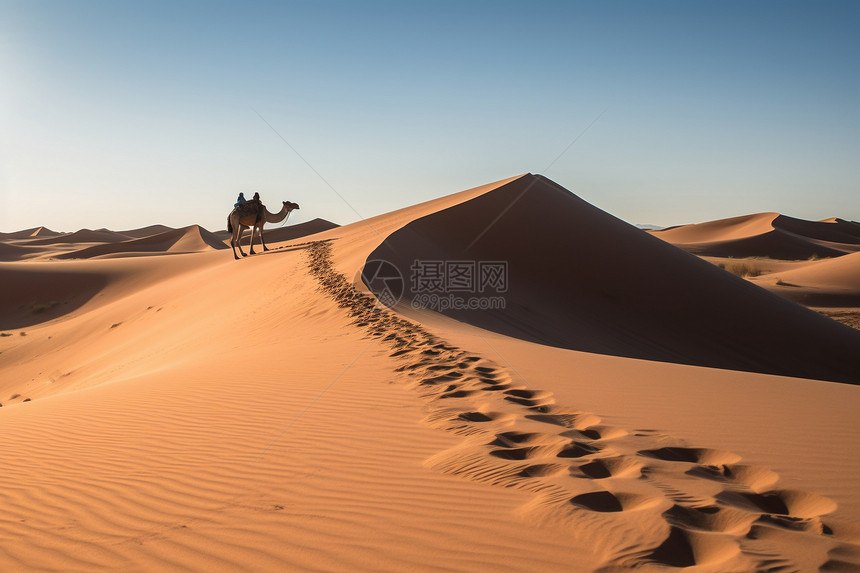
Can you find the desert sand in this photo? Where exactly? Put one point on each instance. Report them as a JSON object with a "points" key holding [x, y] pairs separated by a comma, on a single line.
{"points": [[165, 407]]}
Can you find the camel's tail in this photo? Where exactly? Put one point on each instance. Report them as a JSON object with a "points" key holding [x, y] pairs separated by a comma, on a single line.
{"points": [[229, 225]]}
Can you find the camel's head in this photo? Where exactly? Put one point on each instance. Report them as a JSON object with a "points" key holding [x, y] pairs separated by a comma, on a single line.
{"points": [[291, 206]]}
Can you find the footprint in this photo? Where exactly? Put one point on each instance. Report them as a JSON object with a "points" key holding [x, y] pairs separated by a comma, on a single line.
{"points": [[607, 502], [401, 352], [534, 399], [513, 439], [603, 432], [810, 525], [536, 405], [683, 548], [780, 502], [457, 394], [573, 421], [495, 387], [451, 376], [621, 466], [515, 453], [692, 455], [578, 450], [710, 518], [437, 367], [541, 470], [753, 477], [476, 417]]}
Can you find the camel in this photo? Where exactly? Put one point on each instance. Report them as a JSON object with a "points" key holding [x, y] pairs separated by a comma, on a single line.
{"points": [[254, 214]]}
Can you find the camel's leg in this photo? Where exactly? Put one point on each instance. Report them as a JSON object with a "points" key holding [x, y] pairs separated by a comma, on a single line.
{"points": [[233, 240], [239, 230], [262, 240], [253, 229]]}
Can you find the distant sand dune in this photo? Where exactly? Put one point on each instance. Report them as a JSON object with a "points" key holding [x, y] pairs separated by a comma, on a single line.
{"points": [[766, 235], [824, 283], [146, 231], [190, 239], [83, 236], [29, 234]]}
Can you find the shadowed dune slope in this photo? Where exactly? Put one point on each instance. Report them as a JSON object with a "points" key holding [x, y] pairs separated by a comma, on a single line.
{"points": [[189, 239], [35, 293], [10, 252], [582, 279], [766, 235]]}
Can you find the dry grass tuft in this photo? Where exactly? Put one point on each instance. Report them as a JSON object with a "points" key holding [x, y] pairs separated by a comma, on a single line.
{"points": [[742, 270]]}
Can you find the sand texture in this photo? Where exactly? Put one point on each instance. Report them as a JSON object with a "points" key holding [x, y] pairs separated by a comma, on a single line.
{"points": [[634, 407]]}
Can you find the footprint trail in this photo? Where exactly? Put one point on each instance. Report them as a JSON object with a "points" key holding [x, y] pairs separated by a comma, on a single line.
{"points": [[640, 498]]}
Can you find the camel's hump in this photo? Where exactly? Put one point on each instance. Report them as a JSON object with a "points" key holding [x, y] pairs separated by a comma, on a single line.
{"points": [[249, 208]]}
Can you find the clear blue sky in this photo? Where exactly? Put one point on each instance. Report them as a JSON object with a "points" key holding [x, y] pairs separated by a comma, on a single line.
{"points": [[123, 114]]}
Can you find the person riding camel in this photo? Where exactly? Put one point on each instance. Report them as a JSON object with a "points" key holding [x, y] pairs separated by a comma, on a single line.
{"points": [[240, 200]]}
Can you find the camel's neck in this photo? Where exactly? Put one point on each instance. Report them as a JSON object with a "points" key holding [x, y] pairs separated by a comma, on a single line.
{"points": [[279, 216]]}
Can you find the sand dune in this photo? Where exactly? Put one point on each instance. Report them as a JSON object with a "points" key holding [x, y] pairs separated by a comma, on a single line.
{"points": [[185, 240], [29, 234], [193, 412], [147, 231], [824, 283], [588, 281], [82, 236], [766, 235]]}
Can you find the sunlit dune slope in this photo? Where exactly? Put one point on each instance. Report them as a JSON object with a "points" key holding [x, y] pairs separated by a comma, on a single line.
{"points": [[824, 283]]}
